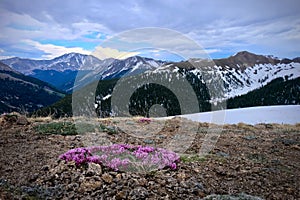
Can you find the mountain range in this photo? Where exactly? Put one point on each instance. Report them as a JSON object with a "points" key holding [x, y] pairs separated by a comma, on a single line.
{"points": [[240, 74], [62, 71]]}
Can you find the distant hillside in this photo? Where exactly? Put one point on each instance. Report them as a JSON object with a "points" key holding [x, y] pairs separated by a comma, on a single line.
{"points": [[242, 72], [62, 80], [23, 93], [63, 107], [277, 92]]}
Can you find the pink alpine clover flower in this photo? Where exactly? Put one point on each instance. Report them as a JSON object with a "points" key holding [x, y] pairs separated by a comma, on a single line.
{"points": [[124, 157]]}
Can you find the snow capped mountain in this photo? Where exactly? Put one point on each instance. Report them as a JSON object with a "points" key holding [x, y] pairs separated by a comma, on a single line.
{"points": [[62, 71], [6, 68], [71, 61], [130, 66], [240, 73], [76, 61], [113, 68]]}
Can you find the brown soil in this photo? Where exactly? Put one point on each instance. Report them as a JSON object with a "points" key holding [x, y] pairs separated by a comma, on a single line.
{"points": [[261, 161]]}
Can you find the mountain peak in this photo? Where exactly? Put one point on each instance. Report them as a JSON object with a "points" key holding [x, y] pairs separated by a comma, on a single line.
{"points": [[4, 67], [244, 53], [69, 56], [245, 59]]}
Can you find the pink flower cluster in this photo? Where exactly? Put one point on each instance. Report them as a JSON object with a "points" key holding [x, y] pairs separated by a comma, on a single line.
{"points": [[145, 120], [124, 157]]}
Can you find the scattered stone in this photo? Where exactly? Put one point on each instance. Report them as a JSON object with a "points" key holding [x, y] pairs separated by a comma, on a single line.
{"points": [[250, 137], [288, 142], [269, 126], [148, 141], [14, 118], [222, 154], [30, 168], [139, 193], [45, 168], [231, 197], [121, 195], [107, 178], [89, 186], [22, 120], [94, 169]]}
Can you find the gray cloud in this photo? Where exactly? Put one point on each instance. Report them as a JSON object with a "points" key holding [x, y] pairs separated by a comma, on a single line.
{"points": [[258, 25]]}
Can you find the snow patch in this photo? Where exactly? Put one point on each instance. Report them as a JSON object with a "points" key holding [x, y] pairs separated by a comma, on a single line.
{"points": [[288, 114]]}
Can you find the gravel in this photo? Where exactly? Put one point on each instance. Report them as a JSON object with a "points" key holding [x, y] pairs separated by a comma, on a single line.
{"points": [[248, 162]]}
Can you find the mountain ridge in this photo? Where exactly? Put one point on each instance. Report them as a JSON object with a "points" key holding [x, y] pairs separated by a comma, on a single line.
{"points": [[65, 68], [26, 66], [240, 73], [23, 93]]}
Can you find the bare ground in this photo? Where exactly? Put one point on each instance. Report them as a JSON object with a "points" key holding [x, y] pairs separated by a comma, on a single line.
{"points": [[261, 161]]}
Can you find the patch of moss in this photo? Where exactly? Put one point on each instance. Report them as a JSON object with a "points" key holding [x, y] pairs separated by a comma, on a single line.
{"points": [[109, 129], [191, 158], [60, 128]]}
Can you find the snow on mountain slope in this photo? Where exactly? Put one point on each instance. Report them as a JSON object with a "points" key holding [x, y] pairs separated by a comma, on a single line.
{"points": [[114, 68], [4, 67], [238, 82], [254, 115], [89, 68], [240, 73], [71, 61], [130, 66]]}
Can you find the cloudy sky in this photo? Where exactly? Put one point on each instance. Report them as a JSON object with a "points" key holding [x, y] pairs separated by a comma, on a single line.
{"points": [[46, 29]]}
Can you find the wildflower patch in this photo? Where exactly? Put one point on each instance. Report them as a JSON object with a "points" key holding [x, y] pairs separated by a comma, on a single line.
{"points": [[124, 157]]}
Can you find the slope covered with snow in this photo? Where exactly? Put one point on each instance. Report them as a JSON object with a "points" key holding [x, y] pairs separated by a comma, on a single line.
{"points": [[113, 68], [254, 115], [238, 82], [241, 73]]}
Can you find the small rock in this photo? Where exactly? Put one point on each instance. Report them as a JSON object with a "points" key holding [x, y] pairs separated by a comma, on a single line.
{"points": [[139, 193], [130, 123], [250, 137], [72, 187], [296, 147], [148, 141], [45, 168], [22, 120], [181, 176], [34, 177], [89, 186], [232, 197], [94, 169], [269, 126], [275, 161], [119, 177], [221, 172], [142, 182], [288, 142], [222, 154], [121, 195], [107, 178]]}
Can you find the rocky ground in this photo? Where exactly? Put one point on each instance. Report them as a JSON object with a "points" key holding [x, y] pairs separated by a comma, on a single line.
{"points": [[247, 162]]}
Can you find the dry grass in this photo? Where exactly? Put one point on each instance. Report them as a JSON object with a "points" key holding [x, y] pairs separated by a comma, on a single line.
{"points": [[40, 119], [114, 121]]}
